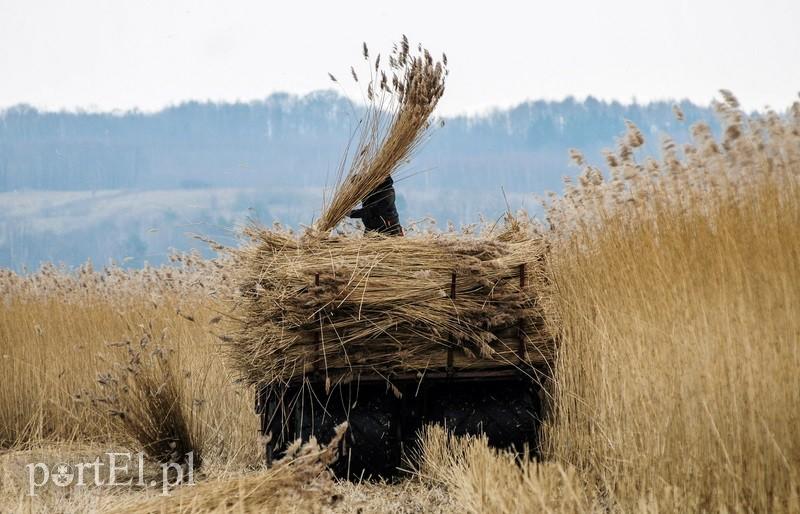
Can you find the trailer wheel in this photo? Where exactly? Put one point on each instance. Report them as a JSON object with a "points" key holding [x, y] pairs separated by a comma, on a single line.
{"points": [[506, 412], [370, 448], [383, 423]]}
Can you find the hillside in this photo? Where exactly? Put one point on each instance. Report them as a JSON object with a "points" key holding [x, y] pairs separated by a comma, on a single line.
{"points": [[111, 178]]}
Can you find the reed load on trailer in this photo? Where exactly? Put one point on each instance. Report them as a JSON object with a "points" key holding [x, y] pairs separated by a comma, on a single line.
{"points": [[386, 332]]}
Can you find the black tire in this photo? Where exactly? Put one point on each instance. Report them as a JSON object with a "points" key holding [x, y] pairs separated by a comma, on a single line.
{"points": [[370, 448], [382, 425], [506, 412]]}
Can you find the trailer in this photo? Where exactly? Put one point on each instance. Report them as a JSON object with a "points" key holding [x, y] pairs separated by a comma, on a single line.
{"points": [[468, 395]]}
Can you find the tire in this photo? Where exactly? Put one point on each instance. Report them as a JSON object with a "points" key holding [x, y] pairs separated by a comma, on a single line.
{"points": [[506, 412], [370, 448], [382, 425]]}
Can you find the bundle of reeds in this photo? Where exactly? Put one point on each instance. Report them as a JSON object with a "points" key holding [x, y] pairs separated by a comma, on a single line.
{"points": [[343, 304], [346, 304], [395, 123], [299, 482]]}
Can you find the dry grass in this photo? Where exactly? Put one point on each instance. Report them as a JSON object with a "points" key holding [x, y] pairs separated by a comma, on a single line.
{"points": [[144, 397], [672, 293], [481, 479], [298, 482], [347, 304], [61, 339], [394, 125], [676, 301]]}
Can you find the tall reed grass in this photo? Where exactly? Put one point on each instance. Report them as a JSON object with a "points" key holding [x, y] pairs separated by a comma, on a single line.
{"points": [[83, 354], [676, 303]]}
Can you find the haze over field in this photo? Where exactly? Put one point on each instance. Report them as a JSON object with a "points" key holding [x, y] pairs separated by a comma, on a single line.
{"points": [[130, 186]]}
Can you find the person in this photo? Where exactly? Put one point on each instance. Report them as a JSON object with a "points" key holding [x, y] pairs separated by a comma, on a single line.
{"points": [[378, 211]]}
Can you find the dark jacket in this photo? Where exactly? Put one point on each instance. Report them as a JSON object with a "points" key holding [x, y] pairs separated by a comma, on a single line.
{"points": [[378, 211]]}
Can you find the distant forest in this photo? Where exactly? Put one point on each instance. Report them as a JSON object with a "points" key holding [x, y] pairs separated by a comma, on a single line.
{"points": [[128, 186], [298, 141]]}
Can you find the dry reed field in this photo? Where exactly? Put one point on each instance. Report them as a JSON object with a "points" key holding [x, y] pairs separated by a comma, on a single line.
{"points": [[672, 292]]}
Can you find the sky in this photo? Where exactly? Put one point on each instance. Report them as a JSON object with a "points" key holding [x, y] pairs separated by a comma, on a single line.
{"points": [[118, 55]]}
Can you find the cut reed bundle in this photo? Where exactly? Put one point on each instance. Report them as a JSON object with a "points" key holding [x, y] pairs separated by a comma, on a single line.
{"points": [[144, 400], [343, 304], [298, 482], [394, 125], [349, 303]]}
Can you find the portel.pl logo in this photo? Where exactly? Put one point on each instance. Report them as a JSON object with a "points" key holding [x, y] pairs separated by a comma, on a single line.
{"points": [[99, 473]]}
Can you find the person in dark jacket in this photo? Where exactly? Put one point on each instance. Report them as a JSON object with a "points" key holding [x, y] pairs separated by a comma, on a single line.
{"points": [[378, 211]]}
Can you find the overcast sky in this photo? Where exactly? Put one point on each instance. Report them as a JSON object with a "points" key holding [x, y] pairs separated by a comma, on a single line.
{"points": [[111, 54]]}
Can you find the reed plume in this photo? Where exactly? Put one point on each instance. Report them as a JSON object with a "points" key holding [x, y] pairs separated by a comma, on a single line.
{"points": [[392, 128]]}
